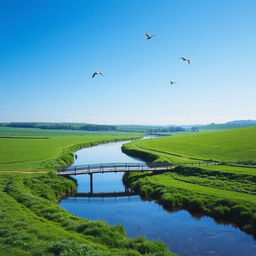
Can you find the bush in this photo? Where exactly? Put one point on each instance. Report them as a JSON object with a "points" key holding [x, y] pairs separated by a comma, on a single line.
{"points": [[146, 190], [221, 212], [143, 246], [168, 200], [195, 205], [68, 248]]}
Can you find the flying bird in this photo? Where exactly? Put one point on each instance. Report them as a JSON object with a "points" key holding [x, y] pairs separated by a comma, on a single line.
{"points": [[149, 36], [96, 73], [172, 82], [185, 59]]}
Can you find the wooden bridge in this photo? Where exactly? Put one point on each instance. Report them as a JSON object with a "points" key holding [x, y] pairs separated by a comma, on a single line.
{"points": [[112, 167], [90, 169]]}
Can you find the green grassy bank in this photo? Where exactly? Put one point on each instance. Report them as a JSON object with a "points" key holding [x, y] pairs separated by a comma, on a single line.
{"points": [[221, 191], [32, 223]]}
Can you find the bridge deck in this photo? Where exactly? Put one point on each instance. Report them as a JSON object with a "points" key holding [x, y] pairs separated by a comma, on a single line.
{"points": [[124, 167], [80, 172]]}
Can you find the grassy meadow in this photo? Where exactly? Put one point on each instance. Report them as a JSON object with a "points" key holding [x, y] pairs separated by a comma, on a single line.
{"points": [[227, 126], [229, 145], [8, 131], [24, 149], [225, 192]]}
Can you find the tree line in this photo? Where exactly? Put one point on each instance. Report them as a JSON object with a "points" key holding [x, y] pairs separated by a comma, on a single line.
{"points": [[94, 127], [62, 126]]}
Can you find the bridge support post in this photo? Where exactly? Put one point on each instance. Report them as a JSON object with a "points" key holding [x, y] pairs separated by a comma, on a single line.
{"points": [[91, 183]]}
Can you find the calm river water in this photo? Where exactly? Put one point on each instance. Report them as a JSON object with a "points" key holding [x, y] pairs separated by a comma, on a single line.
{"points": [[183, 233]]}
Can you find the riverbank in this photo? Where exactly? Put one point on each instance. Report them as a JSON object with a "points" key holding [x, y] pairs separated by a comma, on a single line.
{"points": [[225, 193], [32, 223]]}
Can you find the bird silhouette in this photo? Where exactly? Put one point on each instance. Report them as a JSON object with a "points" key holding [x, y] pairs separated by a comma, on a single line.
{"points": [[172, 82], [149, 36], [96, 73], [185, 59]]}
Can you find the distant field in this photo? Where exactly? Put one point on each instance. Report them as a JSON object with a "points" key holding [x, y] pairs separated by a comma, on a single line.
{"points": [[137, 128], [45, 132], [226, 126], [230, 145], [45, 152]]}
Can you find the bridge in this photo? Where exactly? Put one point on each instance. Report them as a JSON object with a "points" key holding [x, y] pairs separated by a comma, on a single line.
{"points": [[112, 167], [90, 169]]}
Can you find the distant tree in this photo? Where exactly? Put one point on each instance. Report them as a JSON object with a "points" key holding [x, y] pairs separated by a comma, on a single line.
{"points": [[194, 129]]}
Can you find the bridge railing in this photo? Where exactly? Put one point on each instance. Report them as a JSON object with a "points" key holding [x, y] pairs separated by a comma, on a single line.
{"points": [[114, 166], [129, 166]]}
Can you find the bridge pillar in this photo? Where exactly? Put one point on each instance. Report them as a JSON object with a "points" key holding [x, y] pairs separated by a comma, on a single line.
{"points": [[126, 181], [91, 183]]}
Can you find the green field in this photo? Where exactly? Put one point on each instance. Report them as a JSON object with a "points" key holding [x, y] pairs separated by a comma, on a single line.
{"points": [[225, 192], [230, 145], [226, 126], [6, 131], [32, 152]]}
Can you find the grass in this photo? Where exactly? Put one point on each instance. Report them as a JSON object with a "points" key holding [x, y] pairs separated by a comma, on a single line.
{"points": [[226, 126], [44, 153], [13, 131], [221, 191], [231, 145]]}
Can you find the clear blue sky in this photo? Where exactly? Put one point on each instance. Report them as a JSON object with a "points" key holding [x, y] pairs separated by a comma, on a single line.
{"points": [[49, 49]]}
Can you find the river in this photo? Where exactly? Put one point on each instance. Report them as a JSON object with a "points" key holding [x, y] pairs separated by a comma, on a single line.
{"points": [[183, 233]]}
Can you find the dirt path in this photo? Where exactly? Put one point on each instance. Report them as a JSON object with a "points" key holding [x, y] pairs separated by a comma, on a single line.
{"points": [[30, 172]]}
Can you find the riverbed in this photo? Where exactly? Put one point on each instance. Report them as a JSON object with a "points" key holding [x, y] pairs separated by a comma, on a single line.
{"points": [[183, 233]]}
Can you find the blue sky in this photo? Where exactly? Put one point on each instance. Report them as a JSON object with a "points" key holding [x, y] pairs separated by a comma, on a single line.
{"points": [[49, 49]]}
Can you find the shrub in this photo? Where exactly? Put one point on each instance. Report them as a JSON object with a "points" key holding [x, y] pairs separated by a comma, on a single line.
{"points": [[145, 247], [168, 200], [146, 190], [67, 247], [195, 205], [221, 212]]}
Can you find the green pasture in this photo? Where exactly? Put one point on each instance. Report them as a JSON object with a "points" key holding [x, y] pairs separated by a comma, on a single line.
{"points": [[44, 153], [226, 126], [13, 131], [232, 169], [229, 145]]}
